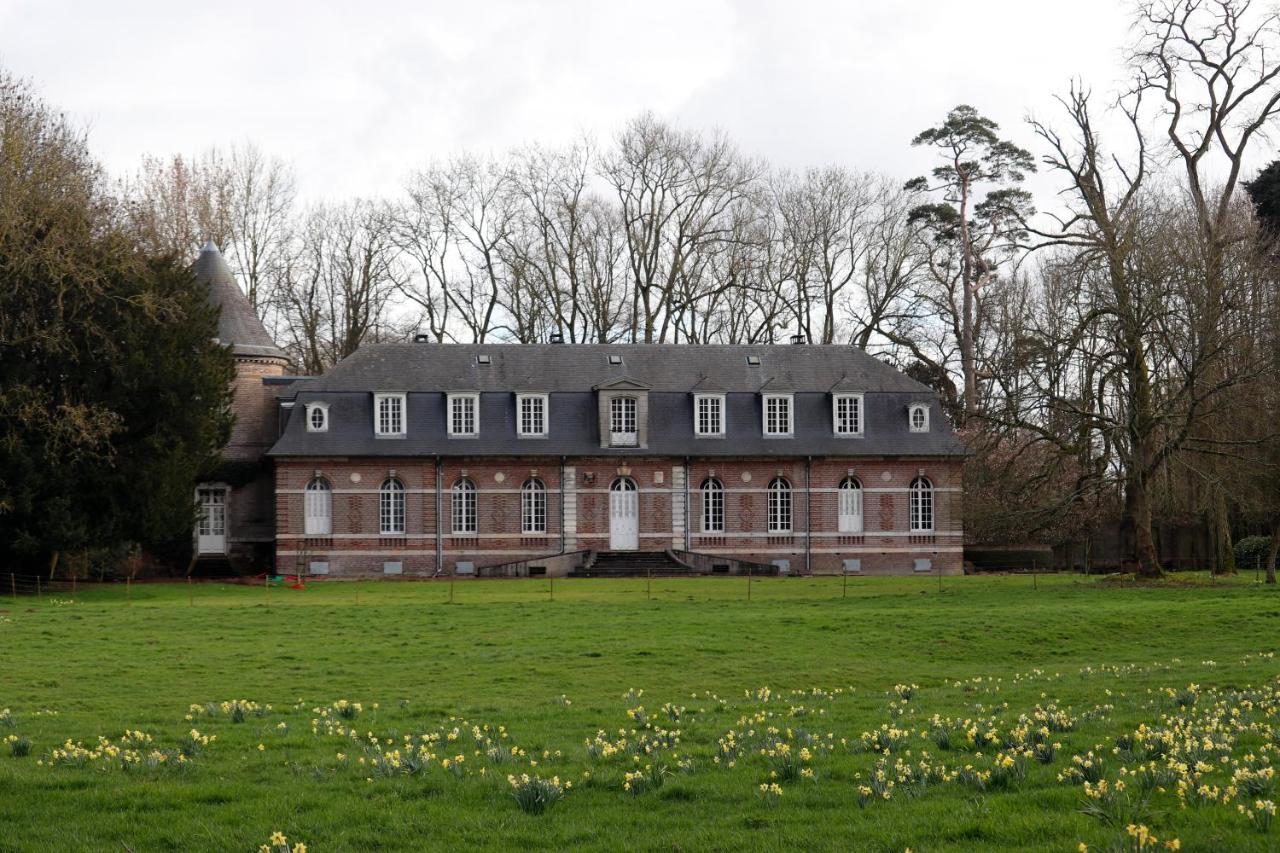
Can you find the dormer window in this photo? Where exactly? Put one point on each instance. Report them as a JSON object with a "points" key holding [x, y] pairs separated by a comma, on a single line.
{"points": [[317, 417], [846, 414], [389, 419], [918, 417], [622, 422], [531, 415], [464, 415], [708, 415], [778, 419]]}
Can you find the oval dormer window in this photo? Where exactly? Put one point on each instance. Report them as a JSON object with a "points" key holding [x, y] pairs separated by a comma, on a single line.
{"points": [[918, 417], [317, 418]]}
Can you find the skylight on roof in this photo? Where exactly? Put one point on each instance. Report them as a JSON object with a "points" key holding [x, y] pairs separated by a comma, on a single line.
{"points": [[753, 360], [482, 359], [615, 359]]}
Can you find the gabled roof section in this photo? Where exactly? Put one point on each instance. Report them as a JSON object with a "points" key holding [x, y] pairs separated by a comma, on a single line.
{"points": [[561, 368], [238, 324], [622, 383]]}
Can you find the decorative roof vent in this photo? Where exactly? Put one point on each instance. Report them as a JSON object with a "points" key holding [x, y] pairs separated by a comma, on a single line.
{"points": [[422, 338], [555, 338], [798, 338]]}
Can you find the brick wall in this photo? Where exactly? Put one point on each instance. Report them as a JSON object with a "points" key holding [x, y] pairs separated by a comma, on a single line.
{"points": [[886, 545]]}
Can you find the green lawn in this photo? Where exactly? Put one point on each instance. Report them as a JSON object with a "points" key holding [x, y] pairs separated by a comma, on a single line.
{"points": [[554, 673]]}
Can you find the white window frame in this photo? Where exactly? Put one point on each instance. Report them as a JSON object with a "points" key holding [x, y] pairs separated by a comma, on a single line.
{"points": [[911, 417], [401, 410], [922, 505], [318, 508], [860, 417], [618, 416], [313, 409], [533, 507], [780, 505], [462, 508], [543, 402], [712, 506], [391, 510], [715, 403], [459, 398], [791, 415]]}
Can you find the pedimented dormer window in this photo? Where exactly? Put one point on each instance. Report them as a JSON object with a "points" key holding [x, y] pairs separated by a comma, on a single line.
{"points": [[317, 417], [918, 417], [623, 410]]}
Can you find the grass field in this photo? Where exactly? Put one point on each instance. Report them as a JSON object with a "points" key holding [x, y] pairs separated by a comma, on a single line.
{"points": [[1086, 660]]}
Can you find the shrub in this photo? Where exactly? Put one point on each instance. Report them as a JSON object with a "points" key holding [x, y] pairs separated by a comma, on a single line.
{"points": [[1252, 552]]}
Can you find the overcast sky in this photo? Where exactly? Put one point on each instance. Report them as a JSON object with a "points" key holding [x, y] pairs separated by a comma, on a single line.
{"points": [[356, 94]]}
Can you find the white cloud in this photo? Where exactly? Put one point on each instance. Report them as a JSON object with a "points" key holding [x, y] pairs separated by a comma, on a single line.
{"points": [[357, 94]]}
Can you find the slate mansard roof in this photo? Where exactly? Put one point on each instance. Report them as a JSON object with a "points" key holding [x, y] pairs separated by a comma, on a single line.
{"points": [[238, 324], [571, 374]]}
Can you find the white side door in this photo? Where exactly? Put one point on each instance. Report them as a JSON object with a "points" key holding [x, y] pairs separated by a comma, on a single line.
{"points": [[850, 518], [624, 515], [211, 529]]}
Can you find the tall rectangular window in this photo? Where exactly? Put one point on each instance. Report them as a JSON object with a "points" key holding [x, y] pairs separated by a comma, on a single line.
{"points": [[777, 415], [388, 414], [847, 414], [622, 422], [531, 414], [464, 418], [708, 415]]}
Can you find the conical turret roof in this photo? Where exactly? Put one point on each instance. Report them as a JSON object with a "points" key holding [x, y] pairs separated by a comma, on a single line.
{"points": [[238, 323]]}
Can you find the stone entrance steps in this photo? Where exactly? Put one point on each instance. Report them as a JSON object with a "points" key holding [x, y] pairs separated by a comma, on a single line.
{"points": [[630, 564]]}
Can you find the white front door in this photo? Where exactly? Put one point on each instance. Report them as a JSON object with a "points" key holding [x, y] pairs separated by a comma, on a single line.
{"points": [[624, 515], [211, 530]]}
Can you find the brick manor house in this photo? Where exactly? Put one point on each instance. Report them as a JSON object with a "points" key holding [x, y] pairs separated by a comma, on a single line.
{"points": [[422, 459]]}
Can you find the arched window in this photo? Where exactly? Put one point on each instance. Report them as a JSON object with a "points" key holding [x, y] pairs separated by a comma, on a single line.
{"points": [[850, 520], [921, 505], [533, 507], [391, 506], [779, 506], [318, 514], [464, 506], [712, 506]]}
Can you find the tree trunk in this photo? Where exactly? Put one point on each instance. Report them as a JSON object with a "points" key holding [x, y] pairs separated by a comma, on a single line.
{"points": [[1275, 547], [1137, 510], [968, 357], [1224, 558]]}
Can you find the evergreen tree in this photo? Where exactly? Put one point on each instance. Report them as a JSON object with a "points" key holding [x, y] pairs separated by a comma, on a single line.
{"points": [[113, 394]]}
